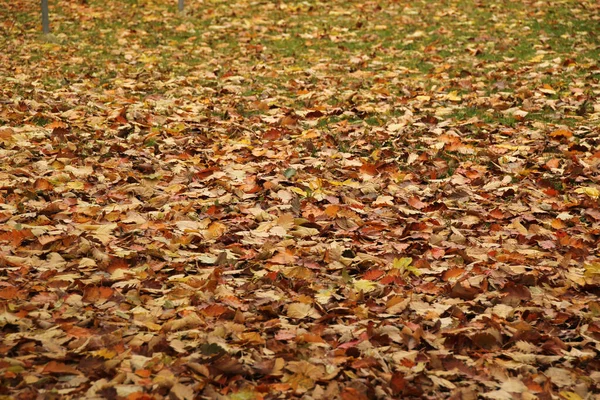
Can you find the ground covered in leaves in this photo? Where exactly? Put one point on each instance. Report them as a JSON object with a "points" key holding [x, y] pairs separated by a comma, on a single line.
{"points": [[300, 199]]}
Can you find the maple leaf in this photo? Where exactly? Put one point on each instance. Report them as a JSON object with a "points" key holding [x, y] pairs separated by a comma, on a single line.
{"points": [[301, 311]]}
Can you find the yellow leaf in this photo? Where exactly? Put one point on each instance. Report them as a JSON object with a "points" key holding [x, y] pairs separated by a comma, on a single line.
{"points": [[547, 89], [519, 227], [175, 188], [454, 96], [147, 59], [402, 263], [590, 191], [570, 395], [298, 191], [592, 270], [351, 183], [324, 296], [537, 58], [105, 353], [364, 285], [75, 185]]}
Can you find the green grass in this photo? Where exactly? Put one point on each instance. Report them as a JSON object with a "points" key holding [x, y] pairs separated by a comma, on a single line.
{"points": [[434, 48]]}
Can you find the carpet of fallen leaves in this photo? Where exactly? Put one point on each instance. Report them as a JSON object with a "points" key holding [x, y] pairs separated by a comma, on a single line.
{"points": [[318, 200]]}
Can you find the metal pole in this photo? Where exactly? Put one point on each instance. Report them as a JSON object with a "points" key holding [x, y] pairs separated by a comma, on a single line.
{"points": [[181, 5], [45, 18]]}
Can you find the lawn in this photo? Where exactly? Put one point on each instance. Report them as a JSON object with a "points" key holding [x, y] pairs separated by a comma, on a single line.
{"points": [[300, 199]]}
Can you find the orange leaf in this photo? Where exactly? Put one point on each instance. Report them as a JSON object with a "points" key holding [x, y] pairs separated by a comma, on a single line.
{"points": [[332, 210], [553, 163], [472, 174], [416, 203], [388, 279], [534, 386], [93, 294], [368, 169], [497, 214], [373, 274], [394, 300], [214, 310], [284, 257], [117, 263], [310, 338], [205, 173], [561, 133], [42, 184], [16, 236], [215, 230], [78, 331], [272, 134], [6, 133], [56, 124], [54, 367], [252, 338], [557, 223], [287, 121], [437, 253], [139, 396], [233, 301], [352, 394], [9, 293], [144, 373], [366, 362], [452, 273]]}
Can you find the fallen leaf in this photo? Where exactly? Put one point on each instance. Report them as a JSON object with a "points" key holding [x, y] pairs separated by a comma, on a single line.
{"points": [[301, 311]]}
